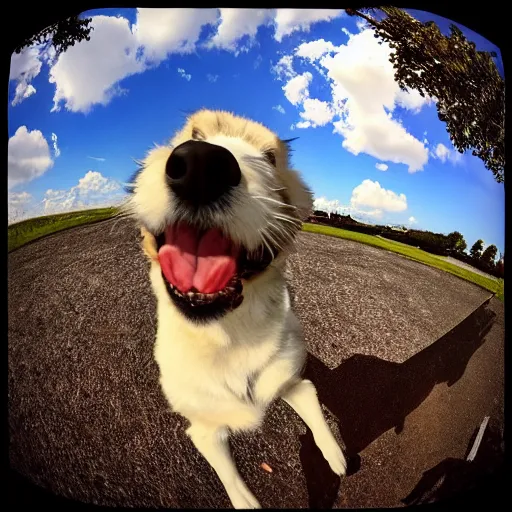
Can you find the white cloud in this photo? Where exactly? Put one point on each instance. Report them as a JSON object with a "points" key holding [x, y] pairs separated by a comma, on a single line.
{"points": [[25, 66], [184, 75], [89, 73], [303, 124], [411, 100], [362, 24], [162, 31], [334, 206], [257, 62], [371, 194], [279, 108], [441, 152], [93, 189], [364, 96], [56, 150], [381, 167], [22, 92], [97, 158], [291, 20], [326, 205], [283, 69], [296, 89], [28, 156], [316, 112], [212, 78], [17, 198], [313, 50], [412, 220], [236, 24], [17, 205]]}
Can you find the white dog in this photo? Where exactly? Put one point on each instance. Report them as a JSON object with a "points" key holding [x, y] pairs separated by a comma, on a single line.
{"points": [[219, 209]]}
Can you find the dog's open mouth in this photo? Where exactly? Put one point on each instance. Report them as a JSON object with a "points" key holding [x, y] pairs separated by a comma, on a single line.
{"points": [[204, 270]]}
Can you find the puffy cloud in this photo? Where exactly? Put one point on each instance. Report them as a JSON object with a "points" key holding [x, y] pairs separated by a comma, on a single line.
{"points": [[279, 108], [441, 152], [326, 205], [381, 167], [184, 75], [283, 69], [313, 50], [296, 89], [364, 95], [316, 112], [335, 206], [17, 205], [28, 156], [93, 189], [25, 66], [412, 220], [90, 72], [19, 197], [291, 20], [236, 24], [371, 194], [56, 150], [152, 30]]}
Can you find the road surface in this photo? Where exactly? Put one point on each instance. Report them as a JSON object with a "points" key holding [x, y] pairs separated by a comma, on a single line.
{"points": [[87, 419]]}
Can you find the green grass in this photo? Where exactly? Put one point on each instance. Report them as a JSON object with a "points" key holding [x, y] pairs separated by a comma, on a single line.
{"points": [[20, 233], [26, 231], [495, 286]]}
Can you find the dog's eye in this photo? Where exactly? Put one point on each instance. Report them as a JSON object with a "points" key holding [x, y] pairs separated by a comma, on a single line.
{"points": [[270, 155], [197, 134]]}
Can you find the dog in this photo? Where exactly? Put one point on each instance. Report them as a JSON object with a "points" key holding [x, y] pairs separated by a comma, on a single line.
{"points": [[219, 209]]}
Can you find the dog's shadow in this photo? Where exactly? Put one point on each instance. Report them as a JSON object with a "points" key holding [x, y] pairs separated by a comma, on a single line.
{"points": [[369, 395]]}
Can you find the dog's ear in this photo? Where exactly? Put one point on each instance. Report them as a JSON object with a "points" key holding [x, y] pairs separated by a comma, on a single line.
{"points": [[299, 194], [149, 245]]}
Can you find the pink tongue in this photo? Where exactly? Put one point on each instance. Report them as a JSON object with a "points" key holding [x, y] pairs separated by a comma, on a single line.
{"points": [[188, 260]]}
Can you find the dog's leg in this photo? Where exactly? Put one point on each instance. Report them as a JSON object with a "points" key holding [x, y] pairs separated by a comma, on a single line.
{"points": [[212, 443], [303, 399]]}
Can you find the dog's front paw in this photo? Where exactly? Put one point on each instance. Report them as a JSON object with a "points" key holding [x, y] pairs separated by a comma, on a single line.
{"points": [[333, 454], [241, 496]]}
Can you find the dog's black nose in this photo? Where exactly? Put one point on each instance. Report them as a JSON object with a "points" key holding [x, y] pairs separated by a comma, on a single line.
{"points": [[200, 172]]}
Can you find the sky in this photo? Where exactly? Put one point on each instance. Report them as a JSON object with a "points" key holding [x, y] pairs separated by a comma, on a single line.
{"points": [[78, 122]]}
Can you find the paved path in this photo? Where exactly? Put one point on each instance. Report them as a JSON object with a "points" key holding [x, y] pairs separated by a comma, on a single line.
{"points": [[87, 419]]}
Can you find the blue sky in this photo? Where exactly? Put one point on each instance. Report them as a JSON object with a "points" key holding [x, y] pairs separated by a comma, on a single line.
{"points": [[76, 123]]}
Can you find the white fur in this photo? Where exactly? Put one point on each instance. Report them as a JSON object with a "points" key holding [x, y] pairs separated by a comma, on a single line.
{"points": [[206, 370]]}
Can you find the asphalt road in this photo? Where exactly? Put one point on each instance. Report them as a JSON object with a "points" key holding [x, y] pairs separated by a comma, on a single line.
{"points": [[87, 419]]}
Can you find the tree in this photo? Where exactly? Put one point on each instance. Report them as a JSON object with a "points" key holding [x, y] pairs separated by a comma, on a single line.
{"points": [[489, 255], [61, 35], [500, 266], [466, 83], [476, 251], [456, 242]]}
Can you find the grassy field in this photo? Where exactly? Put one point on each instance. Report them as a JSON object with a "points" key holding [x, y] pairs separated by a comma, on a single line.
{"points": [[20, 233], [26, 231], [495, 286]]}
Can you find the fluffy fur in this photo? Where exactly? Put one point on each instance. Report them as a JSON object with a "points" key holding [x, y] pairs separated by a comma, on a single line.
{"points": [[221, 375]]}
